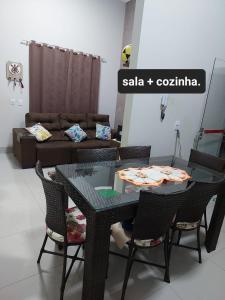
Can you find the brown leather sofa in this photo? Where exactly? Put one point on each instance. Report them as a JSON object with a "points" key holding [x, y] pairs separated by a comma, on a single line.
{"points": [[59, 149]]}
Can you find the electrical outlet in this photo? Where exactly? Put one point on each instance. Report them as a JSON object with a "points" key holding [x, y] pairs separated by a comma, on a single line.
{"points": [[12, 101], [177, 125]]}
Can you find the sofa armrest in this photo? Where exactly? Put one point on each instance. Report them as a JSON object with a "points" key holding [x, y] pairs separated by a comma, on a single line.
{"points": [[22, 133], [24, 147]]}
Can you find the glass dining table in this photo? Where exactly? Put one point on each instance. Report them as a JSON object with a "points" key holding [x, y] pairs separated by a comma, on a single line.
{"points": [[104, 198]]}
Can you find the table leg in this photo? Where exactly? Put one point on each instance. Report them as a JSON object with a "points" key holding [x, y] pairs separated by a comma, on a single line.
{"points": [[216, 223], [96, 256]]}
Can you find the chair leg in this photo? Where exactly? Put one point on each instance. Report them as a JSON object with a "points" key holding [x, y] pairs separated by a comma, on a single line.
{"points": [[107, 268], [167, 259], [72, 263], [199, 245], [128, 269], [64, 272], [42, 248], [205, 222], [171, 242], [179, 237]]}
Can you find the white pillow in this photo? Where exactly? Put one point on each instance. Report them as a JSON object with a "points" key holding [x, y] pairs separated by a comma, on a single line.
{"points": [[41, 134]]}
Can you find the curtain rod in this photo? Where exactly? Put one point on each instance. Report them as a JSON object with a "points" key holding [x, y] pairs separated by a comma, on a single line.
{"points": [[27, 43]]}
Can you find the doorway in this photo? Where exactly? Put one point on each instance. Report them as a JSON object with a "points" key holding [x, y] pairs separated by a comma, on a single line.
{"points": [[210, 138]]}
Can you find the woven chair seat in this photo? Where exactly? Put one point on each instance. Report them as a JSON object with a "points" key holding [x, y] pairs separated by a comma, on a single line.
{"points": [[76, 227], [122, 237]]}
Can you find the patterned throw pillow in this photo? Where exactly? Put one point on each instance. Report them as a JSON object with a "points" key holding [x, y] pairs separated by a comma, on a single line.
{"points": [[75, 133], [41, 134], [103, 132]]}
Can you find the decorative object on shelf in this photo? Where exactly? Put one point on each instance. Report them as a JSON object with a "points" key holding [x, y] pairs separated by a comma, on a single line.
{"points": [[153, 175], [14, 73], [126, 53]]}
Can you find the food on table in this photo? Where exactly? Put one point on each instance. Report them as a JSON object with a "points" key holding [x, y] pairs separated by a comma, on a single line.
{"points": [[153, 175]]}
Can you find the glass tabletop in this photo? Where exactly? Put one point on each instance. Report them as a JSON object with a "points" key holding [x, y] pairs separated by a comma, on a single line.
{"points": [[100, 184]]}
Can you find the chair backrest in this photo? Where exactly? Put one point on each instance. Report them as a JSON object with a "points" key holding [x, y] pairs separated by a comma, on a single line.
{"points": [[195, 204], [207, 160], [156, 212], [94, 155], [134, 152], [56, 198]]}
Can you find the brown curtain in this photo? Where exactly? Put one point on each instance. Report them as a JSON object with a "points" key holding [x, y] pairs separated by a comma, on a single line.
{"points": [[63, 81]]}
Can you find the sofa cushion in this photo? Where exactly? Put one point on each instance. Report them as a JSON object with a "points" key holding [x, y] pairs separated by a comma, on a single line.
{"points": [[58, 135], [50, 121], [68, 119], [54, 153], [92, 119], [91, 134], [92, 144]]}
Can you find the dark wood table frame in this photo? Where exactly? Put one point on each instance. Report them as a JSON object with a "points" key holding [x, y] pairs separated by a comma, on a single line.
{"points": [[98, 233]]}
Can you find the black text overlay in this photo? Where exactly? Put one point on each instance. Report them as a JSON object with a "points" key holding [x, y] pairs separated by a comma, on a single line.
{"points": [[168, 81]]}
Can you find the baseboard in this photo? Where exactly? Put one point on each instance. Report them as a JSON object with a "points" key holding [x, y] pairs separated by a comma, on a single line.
{"points": [[6, 150]]}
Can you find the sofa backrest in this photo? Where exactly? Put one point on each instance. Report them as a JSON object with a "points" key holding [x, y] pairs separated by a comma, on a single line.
{"points": [[92, 119], [57, 121], [49, 120], [68, 119]]}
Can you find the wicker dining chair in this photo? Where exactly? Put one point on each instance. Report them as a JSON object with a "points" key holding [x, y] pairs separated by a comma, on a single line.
{"points": [[94, 155], [62, 226], [208, 161], [151, 227], [189, 215], [133, 152]]}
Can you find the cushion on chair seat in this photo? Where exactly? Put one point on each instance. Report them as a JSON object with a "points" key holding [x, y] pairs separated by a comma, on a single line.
{"points": [[52, 175], [76, 227], [122, 237], [187, 225]]}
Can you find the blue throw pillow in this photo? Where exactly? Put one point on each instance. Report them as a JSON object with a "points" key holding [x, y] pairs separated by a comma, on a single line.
{"points": [[103, 132], [76, 133]]}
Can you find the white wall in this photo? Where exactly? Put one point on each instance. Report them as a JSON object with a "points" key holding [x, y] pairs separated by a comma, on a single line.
{"points": [[94, 26], [174, 35], [127, 39]]}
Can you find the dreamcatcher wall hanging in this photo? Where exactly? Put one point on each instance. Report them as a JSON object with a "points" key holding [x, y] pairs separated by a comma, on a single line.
{"points": [[14, 73]]}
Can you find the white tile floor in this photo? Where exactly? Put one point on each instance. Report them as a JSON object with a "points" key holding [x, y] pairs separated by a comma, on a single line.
{"points": [[22, 228]]}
